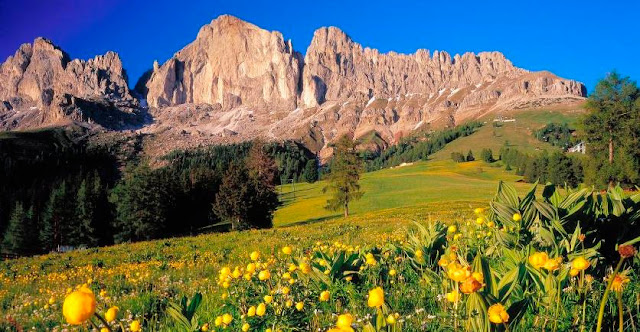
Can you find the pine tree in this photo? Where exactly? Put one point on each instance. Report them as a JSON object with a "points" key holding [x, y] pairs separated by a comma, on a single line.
{"points": [[58, 219], [234, 198], [311, 171], [142, 200], [343, 181], [470, 156], [262, 173], [16, 237], [611, 131], [84, 233]]}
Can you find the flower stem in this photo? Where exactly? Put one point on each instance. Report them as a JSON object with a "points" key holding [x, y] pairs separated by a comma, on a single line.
{"points": [[583, 294], [103, 322], [603, 302], [620, 311]]}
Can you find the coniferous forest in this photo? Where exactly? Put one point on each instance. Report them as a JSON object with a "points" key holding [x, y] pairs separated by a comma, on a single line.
{"points": [[60, 192]]}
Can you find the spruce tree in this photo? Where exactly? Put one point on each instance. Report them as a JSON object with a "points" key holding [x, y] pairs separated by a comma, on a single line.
{"points": [[262, 172], [311, 171], [16, 237], [344, 178], [234, 198]]}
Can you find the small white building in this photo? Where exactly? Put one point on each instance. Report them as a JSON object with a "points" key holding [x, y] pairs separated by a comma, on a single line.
{"points": [[578, 148]]}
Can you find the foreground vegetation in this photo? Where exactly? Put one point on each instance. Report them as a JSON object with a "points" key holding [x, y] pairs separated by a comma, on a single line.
{"points": [[539, 261]]}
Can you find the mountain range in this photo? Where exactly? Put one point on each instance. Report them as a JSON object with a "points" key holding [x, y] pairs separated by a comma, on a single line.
{"points": [[236, 82]]}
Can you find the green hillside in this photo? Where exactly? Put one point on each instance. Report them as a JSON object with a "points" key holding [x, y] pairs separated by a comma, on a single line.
{"points": [[519, 134], [408, 186]]}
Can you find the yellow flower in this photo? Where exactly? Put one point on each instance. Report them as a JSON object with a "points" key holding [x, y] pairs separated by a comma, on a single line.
{"points": [[52, 300], [497, 314], [538, 259], [553, 264], [478, 210], [478, 276], [287, 250], [252, 311], [205, 327], [490, 224], [517, 217], [251, 267], [457, 272], [268, 299], [419, 253], [299, 306], [246, 327], [452, 229], [376, 297], [470, 285], [255, 255], [324, 296], [452, 296], [580, 263], [286, 290], [442, 262], [370, 259], [392, 272], [479, 220], [391, 319], [344, 321], [111, 314], [264, 275], [288, 303], [79, 306], [262, 308], [305, 268], [225, 271], [104, 329], [619, 281], [574, 272], [218, 321], [135, 326], [227, 319]]}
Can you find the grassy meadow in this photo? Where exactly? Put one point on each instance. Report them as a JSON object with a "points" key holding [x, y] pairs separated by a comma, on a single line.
{"points": [[422, 251]]}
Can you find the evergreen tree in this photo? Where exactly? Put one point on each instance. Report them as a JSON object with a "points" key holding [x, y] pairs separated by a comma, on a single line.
{"points": [[343, 181], [611, 131], [487, 155], [311, 171], [85, 233], [262, 172], [142, 201], [58, 219], [16, 237], [470, 156], [234, 198]]}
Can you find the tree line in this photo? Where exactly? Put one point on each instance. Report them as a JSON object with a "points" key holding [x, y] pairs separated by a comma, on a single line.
{"points": [[417, 147], [77, 196]]}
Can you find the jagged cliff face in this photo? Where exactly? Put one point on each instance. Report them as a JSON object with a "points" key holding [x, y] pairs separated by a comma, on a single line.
{"points": [[236, 82], [231, 63], [41, 85]]}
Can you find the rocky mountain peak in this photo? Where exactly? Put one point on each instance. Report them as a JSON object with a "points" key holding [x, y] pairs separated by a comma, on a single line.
{"points": [[40, 84]]}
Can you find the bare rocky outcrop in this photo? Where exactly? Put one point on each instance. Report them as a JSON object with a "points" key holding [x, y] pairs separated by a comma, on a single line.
{"points": [[41, 85], [231, 63]]}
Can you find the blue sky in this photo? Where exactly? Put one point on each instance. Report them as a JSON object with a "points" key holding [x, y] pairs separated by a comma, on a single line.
{"points": [[581, 40]]}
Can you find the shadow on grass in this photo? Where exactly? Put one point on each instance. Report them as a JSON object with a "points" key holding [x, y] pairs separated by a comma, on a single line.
{"points": [[312, 220]]}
